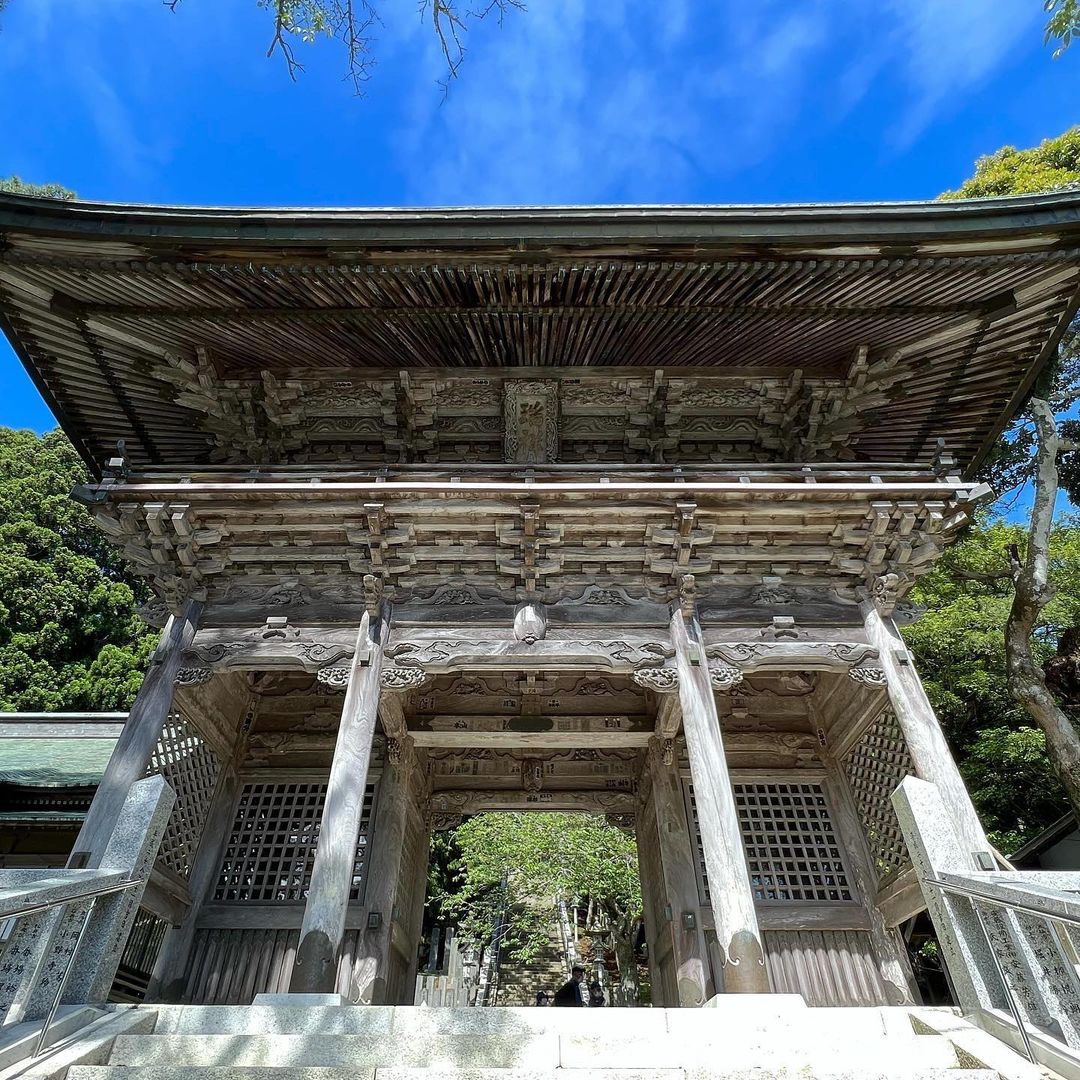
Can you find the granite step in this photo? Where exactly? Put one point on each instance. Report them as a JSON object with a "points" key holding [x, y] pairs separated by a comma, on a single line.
{"points": [[240, 1072], [527, 1050]]}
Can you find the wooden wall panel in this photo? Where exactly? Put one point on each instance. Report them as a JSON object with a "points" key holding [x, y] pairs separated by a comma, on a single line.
{"points": [[231, 966], [828, 967]]}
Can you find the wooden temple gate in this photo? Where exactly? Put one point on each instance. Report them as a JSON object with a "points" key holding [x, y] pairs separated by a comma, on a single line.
{"points": [[608, 510]]}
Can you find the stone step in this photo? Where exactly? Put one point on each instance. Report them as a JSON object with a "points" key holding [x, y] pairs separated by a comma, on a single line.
{"points": [[218, 1072], [798, 1046], [525, 1050], [404, 1021], [777, 1048], [436, 1072]]}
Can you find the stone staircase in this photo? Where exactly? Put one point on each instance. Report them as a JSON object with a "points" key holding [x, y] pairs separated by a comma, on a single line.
{"points": [[774, 1037], [518, 983]]}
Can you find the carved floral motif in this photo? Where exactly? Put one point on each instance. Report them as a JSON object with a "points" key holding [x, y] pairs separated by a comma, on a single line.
{"points": [[662, 680], [334, 676]]}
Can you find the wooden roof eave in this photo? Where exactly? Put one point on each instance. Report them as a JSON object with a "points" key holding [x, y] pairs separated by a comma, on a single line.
{"points": [[848, 228]]}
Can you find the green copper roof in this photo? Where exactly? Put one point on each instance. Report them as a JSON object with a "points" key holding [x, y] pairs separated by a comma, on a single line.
{"points": [[54, 762]]}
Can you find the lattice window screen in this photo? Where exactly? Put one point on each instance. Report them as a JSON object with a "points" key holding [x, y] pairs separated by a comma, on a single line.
{"points": [[875, 765], [791, 847], [191, 767], [271, 850]]}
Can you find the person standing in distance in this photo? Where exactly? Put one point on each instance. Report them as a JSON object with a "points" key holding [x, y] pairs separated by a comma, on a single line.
{"points": [[570, 992]]}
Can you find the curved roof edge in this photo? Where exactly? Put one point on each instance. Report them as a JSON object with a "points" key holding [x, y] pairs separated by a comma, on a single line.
{"points": [[780, 223]]}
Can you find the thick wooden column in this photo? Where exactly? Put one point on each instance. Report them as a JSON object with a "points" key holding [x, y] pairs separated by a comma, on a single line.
{"points": [[678, 871], [384, 873], [737, 929], [167, 981], [892, 957], [323, 928], [131, 755], [925, 740]]}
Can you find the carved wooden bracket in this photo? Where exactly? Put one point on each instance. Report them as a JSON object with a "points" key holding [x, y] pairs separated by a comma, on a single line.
{"points": [[275, 645], [194, 676]]}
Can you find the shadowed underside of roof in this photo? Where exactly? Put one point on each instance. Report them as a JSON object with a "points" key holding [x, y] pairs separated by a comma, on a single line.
{"points": [[880, 329]]}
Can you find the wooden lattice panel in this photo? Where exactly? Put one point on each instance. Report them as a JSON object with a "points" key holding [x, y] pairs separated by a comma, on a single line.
{"points": [[791, 846], [271, 849], [191, 768], [875, 765]]}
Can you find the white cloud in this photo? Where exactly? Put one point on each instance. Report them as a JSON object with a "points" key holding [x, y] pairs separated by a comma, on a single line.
{"points": [[574, 101], [947, 47]]}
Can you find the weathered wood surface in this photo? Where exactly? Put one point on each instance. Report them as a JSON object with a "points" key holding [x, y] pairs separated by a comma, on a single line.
{"points": [[925, 740], [332, 874], [232, 540], [739, 938], [678, 885], [373, 947], [131, 755]]}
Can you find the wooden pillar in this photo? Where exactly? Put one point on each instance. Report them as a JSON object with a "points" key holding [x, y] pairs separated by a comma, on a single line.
{"points": [[661, 978], [168, 979], [372, 974], [323, 928], [737, 929], [889, 948], [132, 754], [925, 740], [679, 896]]}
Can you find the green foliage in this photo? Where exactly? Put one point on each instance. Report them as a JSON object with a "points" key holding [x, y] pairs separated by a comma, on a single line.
{"points": [[350, 23], [1063, 25], [536, 858], [43, 191], [69, 635], [959, 647], [1050, 166]]}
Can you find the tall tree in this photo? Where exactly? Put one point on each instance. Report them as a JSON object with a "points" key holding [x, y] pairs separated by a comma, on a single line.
{"points": [[1039, 449], [960, 646], [70, 637]]}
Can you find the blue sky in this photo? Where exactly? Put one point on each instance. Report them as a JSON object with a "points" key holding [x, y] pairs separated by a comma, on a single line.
{"points": [[569, 102]]}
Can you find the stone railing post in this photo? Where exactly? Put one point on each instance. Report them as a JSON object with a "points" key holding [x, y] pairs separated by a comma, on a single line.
{"points": [[935, 849], [41, 946]]}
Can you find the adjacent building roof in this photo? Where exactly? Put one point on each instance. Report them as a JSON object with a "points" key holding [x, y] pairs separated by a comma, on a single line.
{"points": [[878, 328]]}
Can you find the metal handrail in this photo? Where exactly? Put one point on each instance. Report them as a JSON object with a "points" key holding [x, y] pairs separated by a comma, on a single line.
{"points": [[978, 897], [89, 894], [1027, 909], [93, 894]]}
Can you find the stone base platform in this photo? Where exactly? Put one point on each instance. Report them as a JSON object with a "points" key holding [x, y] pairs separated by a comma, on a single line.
{"points": [[748, 1037]]}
